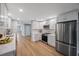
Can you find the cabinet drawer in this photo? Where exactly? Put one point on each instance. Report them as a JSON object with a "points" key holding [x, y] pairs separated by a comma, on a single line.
{"points": [[64, 49]]}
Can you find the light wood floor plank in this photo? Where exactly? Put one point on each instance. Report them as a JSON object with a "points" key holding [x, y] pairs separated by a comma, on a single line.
{"points": [[25, 47]]}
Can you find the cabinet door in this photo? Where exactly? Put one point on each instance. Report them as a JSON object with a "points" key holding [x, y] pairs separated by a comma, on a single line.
{"points": [[52, 23], [68, 16], [35, 25], [36, 37], [41, 24], [60, 18], [72, 16]]}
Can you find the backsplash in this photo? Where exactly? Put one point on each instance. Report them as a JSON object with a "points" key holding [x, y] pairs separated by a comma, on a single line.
{"points": [[51, 31]]}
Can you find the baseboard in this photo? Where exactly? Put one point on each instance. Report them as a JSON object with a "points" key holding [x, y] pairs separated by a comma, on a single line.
{"points": [[47, 44]]}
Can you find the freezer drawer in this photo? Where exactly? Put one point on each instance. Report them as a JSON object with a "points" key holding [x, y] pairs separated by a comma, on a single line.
{"points": [[63, 48], [73, 51]]}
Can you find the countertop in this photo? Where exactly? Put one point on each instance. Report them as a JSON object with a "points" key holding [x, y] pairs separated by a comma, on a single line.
{"points": [[49, 34], [5, 48]]}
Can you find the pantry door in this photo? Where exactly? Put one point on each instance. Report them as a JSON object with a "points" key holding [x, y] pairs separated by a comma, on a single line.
{"points": [[27, 29]]}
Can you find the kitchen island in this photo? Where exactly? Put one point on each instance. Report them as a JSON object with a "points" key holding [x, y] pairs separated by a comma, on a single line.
{"points": [[8, 49]]}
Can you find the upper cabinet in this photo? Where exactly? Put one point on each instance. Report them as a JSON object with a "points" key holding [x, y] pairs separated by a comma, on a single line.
{"points": [[35, 25], [52, 23], [42, 24], [38, 24], [3, 16], [72, 15]]}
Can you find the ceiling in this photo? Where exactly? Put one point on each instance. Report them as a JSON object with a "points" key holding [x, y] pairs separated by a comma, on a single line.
{"points": [[39, 11]]}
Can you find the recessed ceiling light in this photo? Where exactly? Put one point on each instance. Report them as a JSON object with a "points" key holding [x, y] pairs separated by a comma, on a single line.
{"points": [[9, 14], [1, 16], [18, 18], [20, 10]]}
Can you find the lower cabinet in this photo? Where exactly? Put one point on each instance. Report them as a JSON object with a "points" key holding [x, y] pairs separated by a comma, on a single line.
{"points": [[51, 40], [36, 37]]}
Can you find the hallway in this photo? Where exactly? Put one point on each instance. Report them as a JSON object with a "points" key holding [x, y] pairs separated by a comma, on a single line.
{"points": [[25, 47]]}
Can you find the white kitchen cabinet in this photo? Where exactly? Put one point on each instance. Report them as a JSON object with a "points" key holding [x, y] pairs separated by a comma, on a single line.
{"points": [[42, 24], [51, 40], [35, 25], [68, 16], [36, 35], [72, 15], [52, 23], [38, 25]]}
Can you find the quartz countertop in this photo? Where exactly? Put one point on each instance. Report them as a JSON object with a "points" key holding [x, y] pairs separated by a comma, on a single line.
{"points": [[5, 48], [51, 35]]}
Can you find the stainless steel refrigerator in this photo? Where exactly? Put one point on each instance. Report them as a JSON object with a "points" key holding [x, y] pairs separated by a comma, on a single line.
{"points": [[66, 40]]}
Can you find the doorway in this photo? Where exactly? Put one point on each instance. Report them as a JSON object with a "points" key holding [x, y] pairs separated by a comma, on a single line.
{"points": [[27, 28]]}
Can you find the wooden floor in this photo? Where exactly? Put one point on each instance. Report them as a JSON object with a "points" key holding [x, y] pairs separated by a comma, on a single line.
{"points": [[25, 47]]}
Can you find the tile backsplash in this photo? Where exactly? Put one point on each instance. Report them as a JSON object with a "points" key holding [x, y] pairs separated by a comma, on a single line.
{"points": [[52, 31]]}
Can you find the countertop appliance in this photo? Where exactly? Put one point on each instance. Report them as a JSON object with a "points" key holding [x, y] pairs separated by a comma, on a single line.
{"points": [[66, 38]]}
